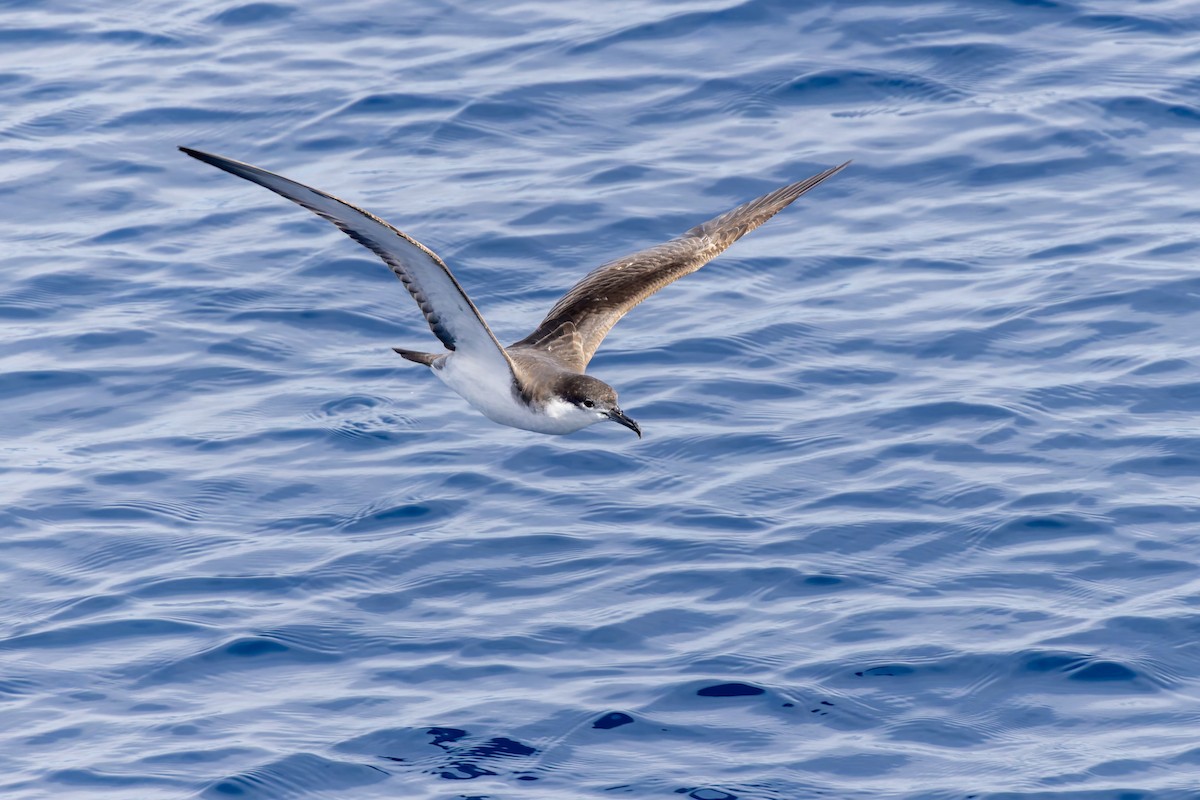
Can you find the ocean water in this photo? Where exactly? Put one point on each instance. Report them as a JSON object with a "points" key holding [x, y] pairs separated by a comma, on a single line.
{"points": [[917, 514]]}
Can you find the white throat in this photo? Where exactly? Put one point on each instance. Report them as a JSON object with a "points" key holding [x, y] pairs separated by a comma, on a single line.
{"points": [[492, 394]]}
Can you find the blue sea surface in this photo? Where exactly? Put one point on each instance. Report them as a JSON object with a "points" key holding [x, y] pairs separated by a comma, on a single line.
{"points": [[917, 513]]}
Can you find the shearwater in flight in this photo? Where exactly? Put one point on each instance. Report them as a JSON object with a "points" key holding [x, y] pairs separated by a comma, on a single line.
{"points": [[538, 383]]}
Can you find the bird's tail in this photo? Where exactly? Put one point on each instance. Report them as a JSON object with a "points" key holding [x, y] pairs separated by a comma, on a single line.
{"points": [[421, 358]]}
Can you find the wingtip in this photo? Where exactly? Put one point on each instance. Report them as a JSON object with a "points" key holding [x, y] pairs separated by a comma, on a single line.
{"points": [[199, 155], [220, 162], [815, 180]]}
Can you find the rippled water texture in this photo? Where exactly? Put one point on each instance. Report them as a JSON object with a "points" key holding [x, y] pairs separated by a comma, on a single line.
{"points": [[916, 511]]}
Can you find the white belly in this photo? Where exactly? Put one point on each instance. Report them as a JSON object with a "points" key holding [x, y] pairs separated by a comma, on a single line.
{"points": [[492, 393]]}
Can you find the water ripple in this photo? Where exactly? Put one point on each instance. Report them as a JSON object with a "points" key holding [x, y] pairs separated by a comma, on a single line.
{"points": [[914, 515]]}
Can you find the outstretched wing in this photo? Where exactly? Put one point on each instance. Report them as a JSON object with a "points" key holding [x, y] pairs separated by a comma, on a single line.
{"points": [[451, 315], [586, 313]]}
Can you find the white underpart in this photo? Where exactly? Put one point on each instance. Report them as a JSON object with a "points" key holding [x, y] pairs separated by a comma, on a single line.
{"points": [[490, 391]]}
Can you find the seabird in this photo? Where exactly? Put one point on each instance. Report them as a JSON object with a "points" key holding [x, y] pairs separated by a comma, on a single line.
{"points": [[537, 384]]}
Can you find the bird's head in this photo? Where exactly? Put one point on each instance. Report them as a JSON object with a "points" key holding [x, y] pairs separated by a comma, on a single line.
{"points": [[593, 397]]}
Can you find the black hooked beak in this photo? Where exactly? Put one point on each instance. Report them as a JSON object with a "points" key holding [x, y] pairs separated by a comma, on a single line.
{"points": [[617, 415]]}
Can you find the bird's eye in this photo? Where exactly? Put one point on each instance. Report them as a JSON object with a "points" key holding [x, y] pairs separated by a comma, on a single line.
{"points": [[588, 404]]}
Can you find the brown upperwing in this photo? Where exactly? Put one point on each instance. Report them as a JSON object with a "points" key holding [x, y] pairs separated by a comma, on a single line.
{"points": [[579, 321]]}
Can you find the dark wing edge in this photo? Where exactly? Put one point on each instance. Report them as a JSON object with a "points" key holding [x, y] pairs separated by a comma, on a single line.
{"points": [[595, 304], [374, 234]]}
